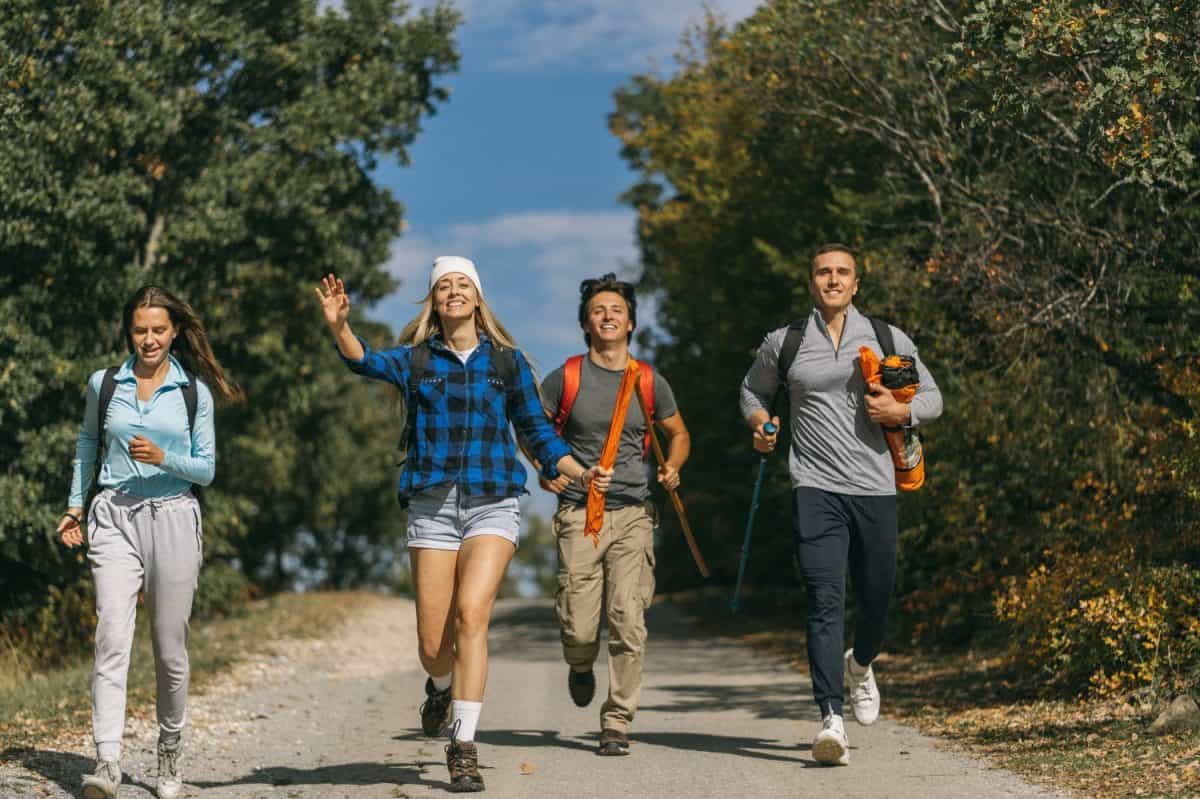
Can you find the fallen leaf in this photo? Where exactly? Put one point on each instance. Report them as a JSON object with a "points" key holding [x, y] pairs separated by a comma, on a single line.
{"points": [[527, 768]]}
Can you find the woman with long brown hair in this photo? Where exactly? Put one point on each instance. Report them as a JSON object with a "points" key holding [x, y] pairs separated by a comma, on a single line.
{"points": [[147, 438], [464, 382]]}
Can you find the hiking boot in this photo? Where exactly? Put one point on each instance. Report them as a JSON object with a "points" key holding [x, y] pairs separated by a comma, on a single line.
{"points": [[831, 747], [169, 783], [435, 711], [104, 782], [613, 743], [582, 685], [864, 693], [462, 758]]}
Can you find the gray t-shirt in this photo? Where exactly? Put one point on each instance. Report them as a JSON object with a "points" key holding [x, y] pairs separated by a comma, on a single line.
{"points": [[587, 428], [835, 445]]}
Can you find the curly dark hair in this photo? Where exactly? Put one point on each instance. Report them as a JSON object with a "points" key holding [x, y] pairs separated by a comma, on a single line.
{"points": [[608, 282]]}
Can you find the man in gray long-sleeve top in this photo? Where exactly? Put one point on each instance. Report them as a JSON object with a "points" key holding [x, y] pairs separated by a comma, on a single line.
{"points": [[843, 481]]}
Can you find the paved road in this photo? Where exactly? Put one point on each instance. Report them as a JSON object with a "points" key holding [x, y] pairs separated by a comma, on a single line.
{"points": [[338, 718]]}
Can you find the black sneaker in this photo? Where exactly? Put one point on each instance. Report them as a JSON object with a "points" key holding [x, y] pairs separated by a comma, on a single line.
{"points": [[435, 712], [613, 743], [582, 685], [462, 758]]}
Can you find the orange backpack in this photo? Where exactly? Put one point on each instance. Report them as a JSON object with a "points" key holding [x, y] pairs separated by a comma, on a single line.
{"points": [[572, 370]]}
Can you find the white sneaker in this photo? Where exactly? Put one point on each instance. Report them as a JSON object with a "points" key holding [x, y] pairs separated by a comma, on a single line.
{"points": [[831, 747], [864, 693], [104, 783], [169, 783]]}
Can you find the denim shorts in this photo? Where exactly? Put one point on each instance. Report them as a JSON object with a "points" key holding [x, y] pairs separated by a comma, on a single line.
{"points": [[439, 518]]}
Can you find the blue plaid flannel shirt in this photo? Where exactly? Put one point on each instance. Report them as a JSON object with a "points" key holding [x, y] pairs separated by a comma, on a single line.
{"points": [[462, 421]]}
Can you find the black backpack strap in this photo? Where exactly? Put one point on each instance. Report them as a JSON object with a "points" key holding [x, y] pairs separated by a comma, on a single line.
{"points": [[418, 365], [191, 399], [883, 332], [108, 387], [787, 356], [787, 352], [504, 365]]}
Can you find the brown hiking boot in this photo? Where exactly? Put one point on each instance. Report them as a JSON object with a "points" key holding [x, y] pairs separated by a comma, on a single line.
{"points": [[462, 758], [613, 743]]}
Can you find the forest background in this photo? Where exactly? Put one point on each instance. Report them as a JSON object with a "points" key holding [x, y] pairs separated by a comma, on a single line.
{"points": [[1019, 179]]}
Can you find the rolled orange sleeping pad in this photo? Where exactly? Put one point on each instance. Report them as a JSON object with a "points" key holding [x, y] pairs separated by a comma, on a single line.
{"points": [[898, 373]]}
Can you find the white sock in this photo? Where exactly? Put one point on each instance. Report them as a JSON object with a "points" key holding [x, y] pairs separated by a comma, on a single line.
{"points": [[108, 750], [443, 682], [465, 717]]}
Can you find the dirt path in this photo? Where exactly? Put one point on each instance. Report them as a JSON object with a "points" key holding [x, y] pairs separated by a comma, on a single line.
{"points": [[338, 718]]}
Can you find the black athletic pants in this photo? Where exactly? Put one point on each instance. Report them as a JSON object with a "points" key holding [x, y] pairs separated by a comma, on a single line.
{"points": [[832, 531]]}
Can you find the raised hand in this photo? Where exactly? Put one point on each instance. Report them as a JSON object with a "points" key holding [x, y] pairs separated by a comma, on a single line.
{"points": [[335, 303]]}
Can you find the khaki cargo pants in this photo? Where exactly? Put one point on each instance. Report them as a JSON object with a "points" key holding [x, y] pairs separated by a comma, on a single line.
{"points": [[622, 568]]}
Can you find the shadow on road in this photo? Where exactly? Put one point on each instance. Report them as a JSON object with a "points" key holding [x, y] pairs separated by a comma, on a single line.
{"points": [[336, 774], [764, 700], [65, 769]]}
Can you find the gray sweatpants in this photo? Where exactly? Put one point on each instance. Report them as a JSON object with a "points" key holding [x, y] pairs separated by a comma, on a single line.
{"points": [[139, 544]]}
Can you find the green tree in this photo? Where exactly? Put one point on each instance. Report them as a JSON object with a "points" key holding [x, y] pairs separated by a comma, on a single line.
{"points": [[1047, 270], [226, 151]]}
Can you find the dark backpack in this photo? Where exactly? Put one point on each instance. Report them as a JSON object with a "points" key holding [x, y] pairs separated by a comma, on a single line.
{"points": [[504, 366], [108, 385], [795, 337]]}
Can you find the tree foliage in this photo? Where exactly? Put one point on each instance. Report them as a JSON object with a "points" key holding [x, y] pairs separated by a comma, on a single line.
{"points": [[1040, 249], [223, 150]]}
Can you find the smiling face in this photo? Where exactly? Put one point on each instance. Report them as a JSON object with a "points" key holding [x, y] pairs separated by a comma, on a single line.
{"points": [[152, 333], [608, 319], [455, 297], [834, 281]]}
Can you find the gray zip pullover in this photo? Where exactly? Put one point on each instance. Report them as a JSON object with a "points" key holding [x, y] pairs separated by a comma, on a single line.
{"points": [[835, 445]]}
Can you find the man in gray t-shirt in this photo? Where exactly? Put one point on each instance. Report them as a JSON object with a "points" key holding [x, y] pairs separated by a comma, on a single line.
{"points": [[619, 568]]}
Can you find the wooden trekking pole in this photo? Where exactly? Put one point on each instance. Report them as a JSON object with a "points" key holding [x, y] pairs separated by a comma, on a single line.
{"points": [[676, 500]]}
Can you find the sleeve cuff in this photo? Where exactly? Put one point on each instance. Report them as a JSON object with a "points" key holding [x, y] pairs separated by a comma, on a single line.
{"points": [[550, 464]]}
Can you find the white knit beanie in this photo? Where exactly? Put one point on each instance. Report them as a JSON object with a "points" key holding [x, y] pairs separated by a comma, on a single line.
{"points": [[445, 264]]}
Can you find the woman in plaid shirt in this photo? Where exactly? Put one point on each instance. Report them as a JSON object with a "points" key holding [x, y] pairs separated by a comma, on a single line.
{"points": [[460, 482]]}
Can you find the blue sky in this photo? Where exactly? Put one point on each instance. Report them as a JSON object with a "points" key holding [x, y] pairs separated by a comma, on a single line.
{"points": [[518, 170]]}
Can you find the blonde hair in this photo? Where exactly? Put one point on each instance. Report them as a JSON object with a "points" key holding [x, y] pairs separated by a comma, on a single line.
{"points": [[428, 322]]}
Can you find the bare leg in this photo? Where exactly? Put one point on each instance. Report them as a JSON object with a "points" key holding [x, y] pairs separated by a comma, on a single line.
{"points": [[433, 583], [482, 562]]}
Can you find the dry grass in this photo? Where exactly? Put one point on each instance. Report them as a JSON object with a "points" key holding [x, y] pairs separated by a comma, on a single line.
{"points": [[975, 703], [37, 707]]}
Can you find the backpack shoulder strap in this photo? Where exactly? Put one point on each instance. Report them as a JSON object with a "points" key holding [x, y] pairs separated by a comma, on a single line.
{"points": [[108, 387], [791, 345], [504, 363], [883, 332], [191, 399], [572, 370], [417, 366], [646, 379]]}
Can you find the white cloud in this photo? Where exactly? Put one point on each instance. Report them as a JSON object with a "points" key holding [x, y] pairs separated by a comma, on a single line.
{"points": [[617, 35], [531, 264]]}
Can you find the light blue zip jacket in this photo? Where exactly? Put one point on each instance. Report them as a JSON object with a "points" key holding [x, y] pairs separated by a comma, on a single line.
{"points": [[189, 458]]}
